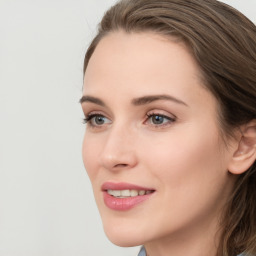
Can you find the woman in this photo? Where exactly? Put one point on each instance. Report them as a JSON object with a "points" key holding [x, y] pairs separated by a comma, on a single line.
{"points": [[169, 100]]}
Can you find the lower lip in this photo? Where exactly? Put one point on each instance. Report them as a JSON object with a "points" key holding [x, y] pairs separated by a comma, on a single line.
{"points": [[123, 204]]}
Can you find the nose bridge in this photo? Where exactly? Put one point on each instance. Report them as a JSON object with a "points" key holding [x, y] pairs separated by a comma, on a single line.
{"points": [[118, 151]]}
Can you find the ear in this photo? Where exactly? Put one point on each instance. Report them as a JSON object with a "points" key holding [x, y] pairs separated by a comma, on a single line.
{"points": [[245, 152]]}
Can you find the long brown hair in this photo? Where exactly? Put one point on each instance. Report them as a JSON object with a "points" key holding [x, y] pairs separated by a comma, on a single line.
{"points": [[223, 42]]}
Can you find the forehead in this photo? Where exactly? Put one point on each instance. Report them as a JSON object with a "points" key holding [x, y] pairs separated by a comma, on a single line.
{"points": [[136, 58]]}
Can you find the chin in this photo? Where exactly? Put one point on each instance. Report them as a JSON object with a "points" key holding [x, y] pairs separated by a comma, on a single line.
{"points": [[124, 242], [122, 236]]}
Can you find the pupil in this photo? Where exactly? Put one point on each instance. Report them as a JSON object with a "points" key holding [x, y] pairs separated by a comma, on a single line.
{"points": [[158, 119], [99, 120]]}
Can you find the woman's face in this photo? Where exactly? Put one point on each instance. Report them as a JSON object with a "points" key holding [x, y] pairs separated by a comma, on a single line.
{"points": [[152, 147]]}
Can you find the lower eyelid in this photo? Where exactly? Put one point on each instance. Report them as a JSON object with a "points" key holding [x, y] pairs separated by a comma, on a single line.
{"points": [[91, 122]]}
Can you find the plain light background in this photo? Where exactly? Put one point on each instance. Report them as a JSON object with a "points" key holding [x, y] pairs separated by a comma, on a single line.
{"points": [[46, 203]]}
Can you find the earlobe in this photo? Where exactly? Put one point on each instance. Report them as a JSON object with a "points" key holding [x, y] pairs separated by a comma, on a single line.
{"points": [[245, 154]]}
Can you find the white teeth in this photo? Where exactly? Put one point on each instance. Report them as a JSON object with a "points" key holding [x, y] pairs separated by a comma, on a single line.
{"points": [[116, 193], [142, 192], [125, 192], [134, 192], [128, 193]]}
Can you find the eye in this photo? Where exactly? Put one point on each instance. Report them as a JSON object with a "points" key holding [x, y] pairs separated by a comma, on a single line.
{"points": [[96, 120], [156, 119]]}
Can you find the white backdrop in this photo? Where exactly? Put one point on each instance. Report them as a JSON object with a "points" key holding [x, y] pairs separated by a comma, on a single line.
{"points": [[46, 202]]}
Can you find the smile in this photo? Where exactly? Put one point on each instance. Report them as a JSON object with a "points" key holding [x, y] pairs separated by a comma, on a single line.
{"points": [[124, 196], [128, 193]]}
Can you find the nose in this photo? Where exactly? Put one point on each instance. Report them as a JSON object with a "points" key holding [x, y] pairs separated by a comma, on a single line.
{"points": [[118, 152]]}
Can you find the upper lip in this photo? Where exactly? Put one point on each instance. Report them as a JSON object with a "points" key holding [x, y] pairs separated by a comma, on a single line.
{"points": [[122, 186]]}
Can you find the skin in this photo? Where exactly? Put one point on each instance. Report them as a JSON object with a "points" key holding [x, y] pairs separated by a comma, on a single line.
{"points": [[183, 158]]}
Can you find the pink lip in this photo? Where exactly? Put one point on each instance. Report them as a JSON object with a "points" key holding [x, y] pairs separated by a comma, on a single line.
{"points": [[123, 204], [122, 186]]}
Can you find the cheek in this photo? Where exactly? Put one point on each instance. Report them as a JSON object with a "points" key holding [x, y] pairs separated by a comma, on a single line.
{"points": [[187, 168], [90, 153], [185, 157]]}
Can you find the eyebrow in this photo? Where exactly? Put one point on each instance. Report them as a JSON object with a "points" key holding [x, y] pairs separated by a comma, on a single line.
{"points": [[151, 98], [137, 101], [93, 100]]}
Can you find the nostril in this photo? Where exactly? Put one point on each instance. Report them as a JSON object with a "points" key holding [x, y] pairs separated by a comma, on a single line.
{"points": [[120, 165]]}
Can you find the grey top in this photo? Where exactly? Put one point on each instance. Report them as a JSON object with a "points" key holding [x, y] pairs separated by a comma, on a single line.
{"points": [[143, 252]]}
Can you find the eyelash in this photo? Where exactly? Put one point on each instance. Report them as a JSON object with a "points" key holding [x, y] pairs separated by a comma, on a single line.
{"points": [[88, 120], [162, 125]]}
